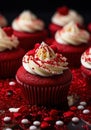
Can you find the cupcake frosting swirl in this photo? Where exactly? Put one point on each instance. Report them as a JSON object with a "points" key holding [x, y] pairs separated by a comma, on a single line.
{"points": [[7, 42], [72, 34], [44, 61], [86, 59], [27, 22], [62, 20]]}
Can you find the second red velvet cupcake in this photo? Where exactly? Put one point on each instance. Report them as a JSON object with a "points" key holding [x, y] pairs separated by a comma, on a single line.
{"points": [[29, 29], [45, 77], [72, 41], [10, 53], [63, 16]]}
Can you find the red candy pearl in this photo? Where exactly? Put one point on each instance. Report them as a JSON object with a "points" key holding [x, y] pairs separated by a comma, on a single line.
{"points": [[48, 119], [73, 108], [44, 125], [68, 114]]}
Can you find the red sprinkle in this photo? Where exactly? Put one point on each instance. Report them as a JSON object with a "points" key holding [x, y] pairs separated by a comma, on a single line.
{"points": [[31, 52], [36, 46], [73, 108], [48, 119], [8, 30]]}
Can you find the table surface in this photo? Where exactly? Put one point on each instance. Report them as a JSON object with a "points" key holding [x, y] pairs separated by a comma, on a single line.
{"points": [[11, 96]]}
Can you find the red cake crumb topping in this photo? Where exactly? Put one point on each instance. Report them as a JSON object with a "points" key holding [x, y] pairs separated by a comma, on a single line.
{"points": [[8, 30], [36, 45], [63, 10], [44, 125]]}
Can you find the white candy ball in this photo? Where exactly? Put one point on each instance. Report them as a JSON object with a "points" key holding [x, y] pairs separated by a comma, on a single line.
{"points": [[75, 119], [60, 123], [32, 127], [14, 109], [80, 107], [83, 103], [86, 111], [12, 83], [7, 118], [36, 123], [8, 129], [24, 121]]}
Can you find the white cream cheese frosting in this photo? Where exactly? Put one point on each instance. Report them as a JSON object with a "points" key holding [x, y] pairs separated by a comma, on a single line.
{"points": [[27, 22], [86, 59], [7, 42], [62, 20], [72, 34], [44, 61]]}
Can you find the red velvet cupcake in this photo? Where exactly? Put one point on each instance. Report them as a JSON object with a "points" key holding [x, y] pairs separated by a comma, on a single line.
{"points": [[86, 66], [72, 41], [10, 53], [29, 29], [63, 16], [45, 77]]}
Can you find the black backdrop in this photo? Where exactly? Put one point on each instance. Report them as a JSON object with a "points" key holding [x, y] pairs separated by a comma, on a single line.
{"points": [[44, 8], [43, 5]]}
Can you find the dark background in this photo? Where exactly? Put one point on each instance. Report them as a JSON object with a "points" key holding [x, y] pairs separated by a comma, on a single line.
{"points": [[44, 8]]}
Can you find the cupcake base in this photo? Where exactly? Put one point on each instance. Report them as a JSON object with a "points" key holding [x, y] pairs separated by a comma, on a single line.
{"points": [[10, 61], [86, 73], [43, 91]]}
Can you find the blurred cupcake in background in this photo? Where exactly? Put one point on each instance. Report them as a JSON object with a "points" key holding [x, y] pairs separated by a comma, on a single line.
{"points": [[72, 41], [86, 66], [3, 21], [10, 53], [63, 16], [29, 29]]}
